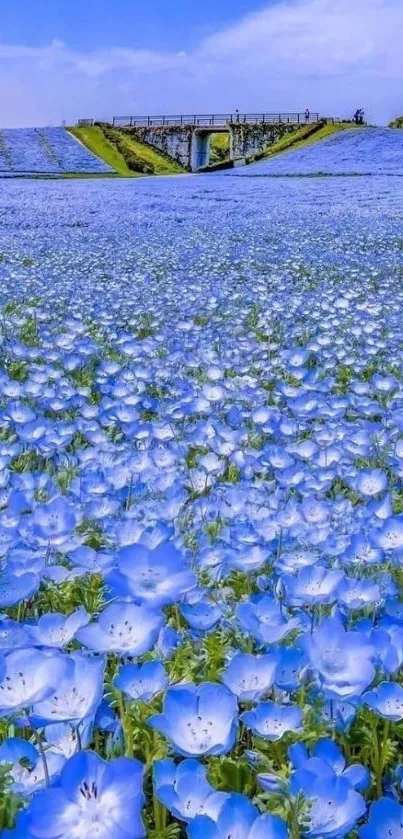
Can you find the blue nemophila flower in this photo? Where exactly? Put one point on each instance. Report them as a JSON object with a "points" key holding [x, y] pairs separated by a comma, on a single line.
{"points": [[335, 806], [386, 700], [202, 616], [91, 561], [168, 641], [29, 676], [198, 720], [385, 820], [262, 617], [313, 584], [327, 758], [124, 628], [54, 523], [57, 630], [141, 681], [342, 660], [238, 819], [93, 799], [290, 663], [271, 721], [155, 577], [77, 695], [185, 791], [388, 642], [64, 738], [389, 536], [14, 588], [357, 594], [26, 767], [12, 635], [339, 714], [249, 676]]}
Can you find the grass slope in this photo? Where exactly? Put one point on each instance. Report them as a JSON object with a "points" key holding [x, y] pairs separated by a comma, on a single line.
{"points": [[304, 136], [93, 137], [161, 164]]}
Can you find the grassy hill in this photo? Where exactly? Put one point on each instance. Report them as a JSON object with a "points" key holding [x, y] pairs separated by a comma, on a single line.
{"points": [[128, 157], [304, 136], [396, 123]]}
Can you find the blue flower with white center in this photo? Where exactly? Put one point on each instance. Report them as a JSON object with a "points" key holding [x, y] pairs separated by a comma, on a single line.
{"points": [[290, 662], [262, 617], [124, 628], [29, 675], [249, 676], [16, 587], [141, 681], [93, 799], [154, 577], [370, 482], [202, 616], [26, 767], [12, 636], [327, 759], [342, 660], [57, 630], [54, 523], [77, 695], [238, 819], [386, 700], [198, 720], [313, 584], [335, 806], [357, 594], [272, 721], [389, 536], [185, 791], [64, 738]]}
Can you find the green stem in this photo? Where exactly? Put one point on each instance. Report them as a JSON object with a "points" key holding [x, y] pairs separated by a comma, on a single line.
{"points": [[380, 743], [41, 751], [127, 726], [160, 815], [382, 748], [293, 821], [177, 617]]}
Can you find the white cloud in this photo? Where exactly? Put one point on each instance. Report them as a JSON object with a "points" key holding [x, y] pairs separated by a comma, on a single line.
{"points": [[330, 55]]}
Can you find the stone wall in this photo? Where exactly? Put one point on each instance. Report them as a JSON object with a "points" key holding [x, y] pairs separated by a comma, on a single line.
{"points": [[175, 142], [247, 139]]}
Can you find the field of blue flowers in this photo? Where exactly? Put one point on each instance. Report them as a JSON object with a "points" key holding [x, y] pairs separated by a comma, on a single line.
{"points": [[47, 151], [355, 151], [201, 508]]}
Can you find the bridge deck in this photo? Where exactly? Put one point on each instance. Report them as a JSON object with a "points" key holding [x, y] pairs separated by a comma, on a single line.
{"points": [[218, 121]]}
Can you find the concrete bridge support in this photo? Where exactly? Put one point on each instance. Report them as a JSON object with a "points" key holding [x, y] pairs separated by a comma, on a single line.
{"points": [[200, 151], [189, 145]]}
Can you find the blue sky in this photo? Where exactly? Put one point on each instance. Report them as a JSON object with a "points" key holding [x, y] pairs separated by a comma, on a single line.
{"points": [[88, 24], [65, 59]]}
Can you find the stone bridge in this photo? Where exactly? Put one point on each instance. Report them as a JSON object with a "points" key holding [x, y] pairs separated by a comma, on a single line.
{"points": [[186, 139]]}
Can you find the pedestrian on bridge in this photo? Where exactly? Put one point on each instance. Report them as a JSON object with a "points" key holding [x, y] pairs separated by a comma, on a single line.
{"points": [[307, 115]]}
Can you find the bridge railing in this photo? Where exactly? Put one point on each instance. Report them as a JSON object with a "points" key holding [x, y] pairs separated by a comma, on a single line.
{"points": [[210, 120]]}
